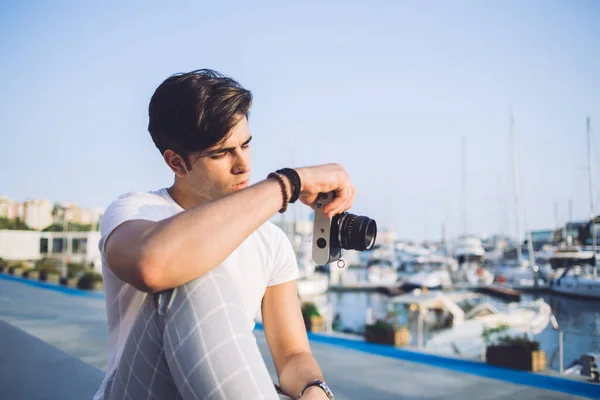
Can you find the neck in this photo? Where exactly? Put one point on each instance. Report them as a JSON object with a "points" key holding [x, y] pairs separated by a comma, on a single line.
{"points": [[183, 196]]}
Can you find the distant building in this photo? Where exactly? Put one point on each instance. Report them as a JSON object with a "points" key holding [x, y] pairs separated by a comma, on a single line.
{"points": [[10, 209], [37, 214], [78, 247]]}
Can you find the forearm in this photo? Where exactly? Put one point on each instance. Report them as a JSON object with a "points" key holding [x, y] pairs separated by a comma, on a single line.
{"points": [[299, 370], [190, 244]]}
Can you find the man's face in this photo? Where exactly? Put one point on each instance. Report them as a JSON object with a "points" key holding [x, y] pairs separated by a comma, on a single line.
{"points": [[223, 168]]}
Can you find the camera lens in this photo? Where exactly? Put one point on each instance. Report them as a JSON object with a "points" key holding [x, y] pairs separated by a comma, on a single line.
{"points": [[353, 232]]}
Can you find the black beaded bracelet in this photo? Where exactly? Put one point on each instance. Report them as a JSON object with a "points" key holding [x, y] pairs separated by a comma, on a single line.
{"points": [[286, 198], [294, 178]]}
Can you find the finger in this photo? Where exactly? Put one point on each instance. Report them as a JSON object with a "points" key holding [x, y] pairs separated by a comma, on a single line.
{"points": [[349, 201], [340, 198], [351, 198], [339, 206]]}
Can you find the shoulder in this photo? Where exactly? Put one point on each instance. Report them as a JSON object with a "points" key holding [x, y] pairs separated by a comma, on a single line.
{"points": [[135, 205], [138, 198], [271, 233]]}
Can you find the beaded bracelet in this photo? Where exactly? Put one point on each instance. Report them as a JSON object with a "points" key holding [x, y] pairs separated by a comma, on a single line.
{"points": [[294, 178], [284, 192]]}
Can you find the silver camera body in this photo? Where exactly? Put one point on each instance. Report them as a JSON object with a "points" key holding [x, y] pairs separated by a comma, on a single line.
{"points": [[342, 231], [322, 251]]}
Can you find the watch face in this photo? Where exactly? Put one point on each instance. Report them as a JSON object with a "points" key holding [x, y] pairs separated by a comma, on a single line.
{"points": [[328, 392], [323, 386]]}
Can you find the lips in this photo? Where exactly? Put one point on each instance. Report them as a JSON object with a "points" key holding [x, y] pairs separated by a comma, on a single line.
{"points": [[240, 185]]}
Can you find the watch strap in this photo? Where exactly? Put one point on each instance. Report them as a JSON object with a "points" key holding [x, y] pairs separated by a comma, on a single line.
{"points": [[321, 385]]}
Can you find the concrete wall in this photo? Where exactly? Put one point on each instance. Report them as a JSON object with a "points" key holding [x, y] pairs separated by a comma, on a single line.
{"points": [[25, 245], [19, 245]]}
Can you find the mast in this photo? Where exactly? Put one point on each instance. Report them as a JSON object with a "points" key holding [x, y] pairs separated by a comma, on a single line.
{"points": [[591, 173], [464, 185], [513, 137]]}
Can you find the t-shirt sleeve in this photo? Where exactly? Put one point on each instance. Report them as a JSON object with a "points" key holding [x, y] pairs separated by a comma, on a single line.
{"points": [[131, 206], [285, 265]]}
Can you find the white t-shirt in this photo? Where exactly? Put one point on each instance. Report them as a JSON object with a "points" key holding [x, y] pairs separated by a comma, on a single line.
{"points": [[265, 258]]}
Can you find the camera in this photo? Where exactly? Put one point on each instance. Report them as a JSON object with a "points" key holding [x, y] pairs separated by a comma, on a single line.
{"points": [[342, 231]]}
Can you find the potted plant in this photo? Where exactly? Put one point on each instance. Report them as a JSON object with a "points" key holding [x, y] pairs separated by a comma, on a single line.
{"points": [[387, 331], [90, 280], [31, 273], [49, 274], [16, 268], [313, 320], [514, 352], [74, 272]]}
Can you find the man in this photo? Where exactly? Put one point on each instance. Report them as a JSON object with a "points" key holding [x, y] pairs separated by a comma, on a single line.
{"points": [[187, 268]]}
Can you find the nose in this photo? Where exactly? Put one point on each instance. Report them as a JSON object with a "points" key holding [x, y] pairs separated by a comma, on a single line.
{"points": [[242, 163]]}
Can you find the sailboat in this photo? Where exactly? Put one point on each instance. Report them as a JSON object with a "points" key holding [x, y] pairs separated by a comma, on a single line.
{"points": [[581, 279], [517, 271]]}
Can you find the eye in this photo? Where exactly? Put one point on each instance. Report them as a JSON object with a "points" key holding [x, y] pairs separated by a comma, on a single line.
{"points": [[245, 146], [218, 156]]}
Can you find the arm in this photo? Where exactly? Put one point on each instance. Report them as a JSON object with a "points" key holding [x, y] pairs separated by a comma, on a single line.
{"points": [[155, 256], [288, 341]]}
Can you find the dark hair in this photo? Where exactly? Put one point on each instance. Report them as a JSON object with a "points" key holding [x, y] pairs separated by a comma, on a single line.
{"points": [[190, 112]]}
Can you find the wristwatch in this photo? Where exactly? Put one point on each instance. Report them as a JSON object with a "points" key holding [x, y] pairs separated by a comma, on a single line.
{"points": [[320, 384]]}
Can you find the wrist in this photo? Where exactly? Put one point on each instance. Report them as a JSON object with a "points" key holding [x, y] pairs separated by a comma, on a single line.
{"points": [[314, 392], [302, 174]]}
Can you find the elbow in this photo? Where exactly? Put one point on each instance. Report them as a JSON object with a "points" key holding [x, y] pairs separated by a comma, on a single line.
{"points": [[149, 278]]}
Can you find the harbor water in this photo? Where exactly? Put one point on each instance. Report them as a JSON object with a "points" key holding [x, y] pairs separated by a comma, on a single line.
{"points": [[578, 318]]}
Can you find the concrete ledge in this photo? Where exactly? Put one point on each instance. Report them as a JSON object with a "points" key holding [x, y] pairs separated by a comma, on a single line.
{"points": [[54, 286], [536, 380], [31, 369]]}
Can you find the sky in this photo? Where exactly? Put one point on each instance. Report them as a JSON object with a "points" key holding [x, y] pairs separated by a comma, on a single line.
{"points": [[387, 89]]}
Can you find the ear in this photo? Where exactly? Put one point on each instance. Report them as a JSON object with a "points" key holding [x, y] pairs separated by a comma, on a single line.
{"points": [[175, 162]]}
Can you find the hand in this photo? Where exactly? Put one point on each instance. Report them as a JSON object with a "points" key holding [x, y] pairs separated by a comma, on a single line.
{"points": [[314, 393], [325, 179]]}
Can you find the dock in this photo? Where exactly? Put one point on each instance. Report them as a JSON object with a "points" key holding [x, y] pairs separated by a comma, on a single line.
{"points": [[71, 330], [504, 292]]}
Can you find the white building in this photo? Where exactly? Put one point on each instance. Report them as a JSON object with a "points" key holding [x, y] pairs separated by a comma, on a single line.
{"points": [[37, 214], [34, 245], [10, 209]]}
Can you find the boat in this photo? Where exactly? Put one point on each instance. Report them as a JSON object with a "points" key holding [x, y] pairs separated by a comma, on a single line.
{"points": [[474, 274], [577, 281], [469, 249], [314, 285], [458, 319], [431, 272], [517, 273], [580, 274], [570, 255], [381, 273]]}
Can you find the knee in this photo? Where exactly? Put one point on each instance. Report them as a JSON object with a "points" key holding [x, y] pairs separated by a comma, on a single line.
{"points": [[213, 289]]}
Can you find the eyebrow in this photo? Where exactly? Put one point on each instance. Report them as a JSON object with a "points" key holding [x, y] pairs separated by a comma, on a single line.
{"points": [[227, 149]]}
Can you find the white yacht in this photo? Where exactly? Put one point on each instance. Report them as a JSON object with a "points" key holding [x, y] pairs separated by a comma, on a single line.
{"points": [[474, 274], [469, 249], [431, 272], [577, 281], [462, 317], [569, 256]]}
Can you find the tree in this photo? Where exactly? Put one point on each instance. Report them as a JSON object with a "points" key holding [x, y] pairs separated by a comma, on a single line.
{"points": [[15, 224], [71, 227]]}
